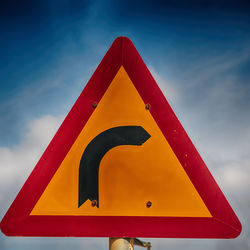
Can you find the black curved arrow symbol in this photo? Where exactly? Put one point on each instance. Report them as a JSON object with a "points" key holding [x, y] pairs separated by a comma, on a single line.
{"points": [[94, 152]]}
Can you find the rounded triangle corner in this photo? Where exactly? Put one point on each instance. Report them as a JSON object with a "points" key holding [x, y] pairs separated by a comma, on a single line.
{"points": [[122, 39], [238, 229], [5, 229], [228, 229]]}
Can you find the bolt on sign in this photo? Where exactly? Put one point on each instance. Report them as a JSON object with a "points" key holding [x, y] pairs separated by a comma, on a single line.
{"points": [[121, 165]]}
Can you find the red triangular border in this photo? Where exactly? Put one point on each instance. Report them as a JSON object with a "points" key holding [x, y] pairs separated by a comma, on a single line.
{"points": [[223, 224]]}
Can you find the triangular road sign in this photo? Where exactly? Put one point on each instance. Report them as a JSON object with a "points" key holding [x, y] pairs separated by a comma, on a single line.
{"points": [[121, 165]]}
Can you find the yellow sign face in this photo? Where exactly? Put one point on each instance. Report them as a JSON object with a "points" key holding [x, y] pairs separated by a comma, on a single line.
{"points": [[129, 176]]}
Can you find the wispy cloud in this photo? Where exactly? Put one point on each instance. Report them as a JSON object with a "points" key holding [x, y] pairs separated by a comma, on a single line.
{"points": [[17, 162], [167, 87], [210, 66]]}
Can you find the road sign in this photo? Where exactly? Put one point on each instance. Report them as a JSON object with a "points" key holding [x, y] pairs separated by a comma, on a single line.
{"points": [[121, 165]]}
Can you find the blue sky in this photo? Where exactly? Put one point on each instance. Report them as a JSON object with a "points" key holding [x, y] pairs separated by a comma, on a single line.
{"points": [[198, 52]]}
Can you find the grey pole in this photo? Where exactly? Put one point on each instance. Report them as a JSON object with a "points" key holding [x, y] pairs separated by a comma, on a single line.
{"points": [[127, 243], [121, 244]]}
